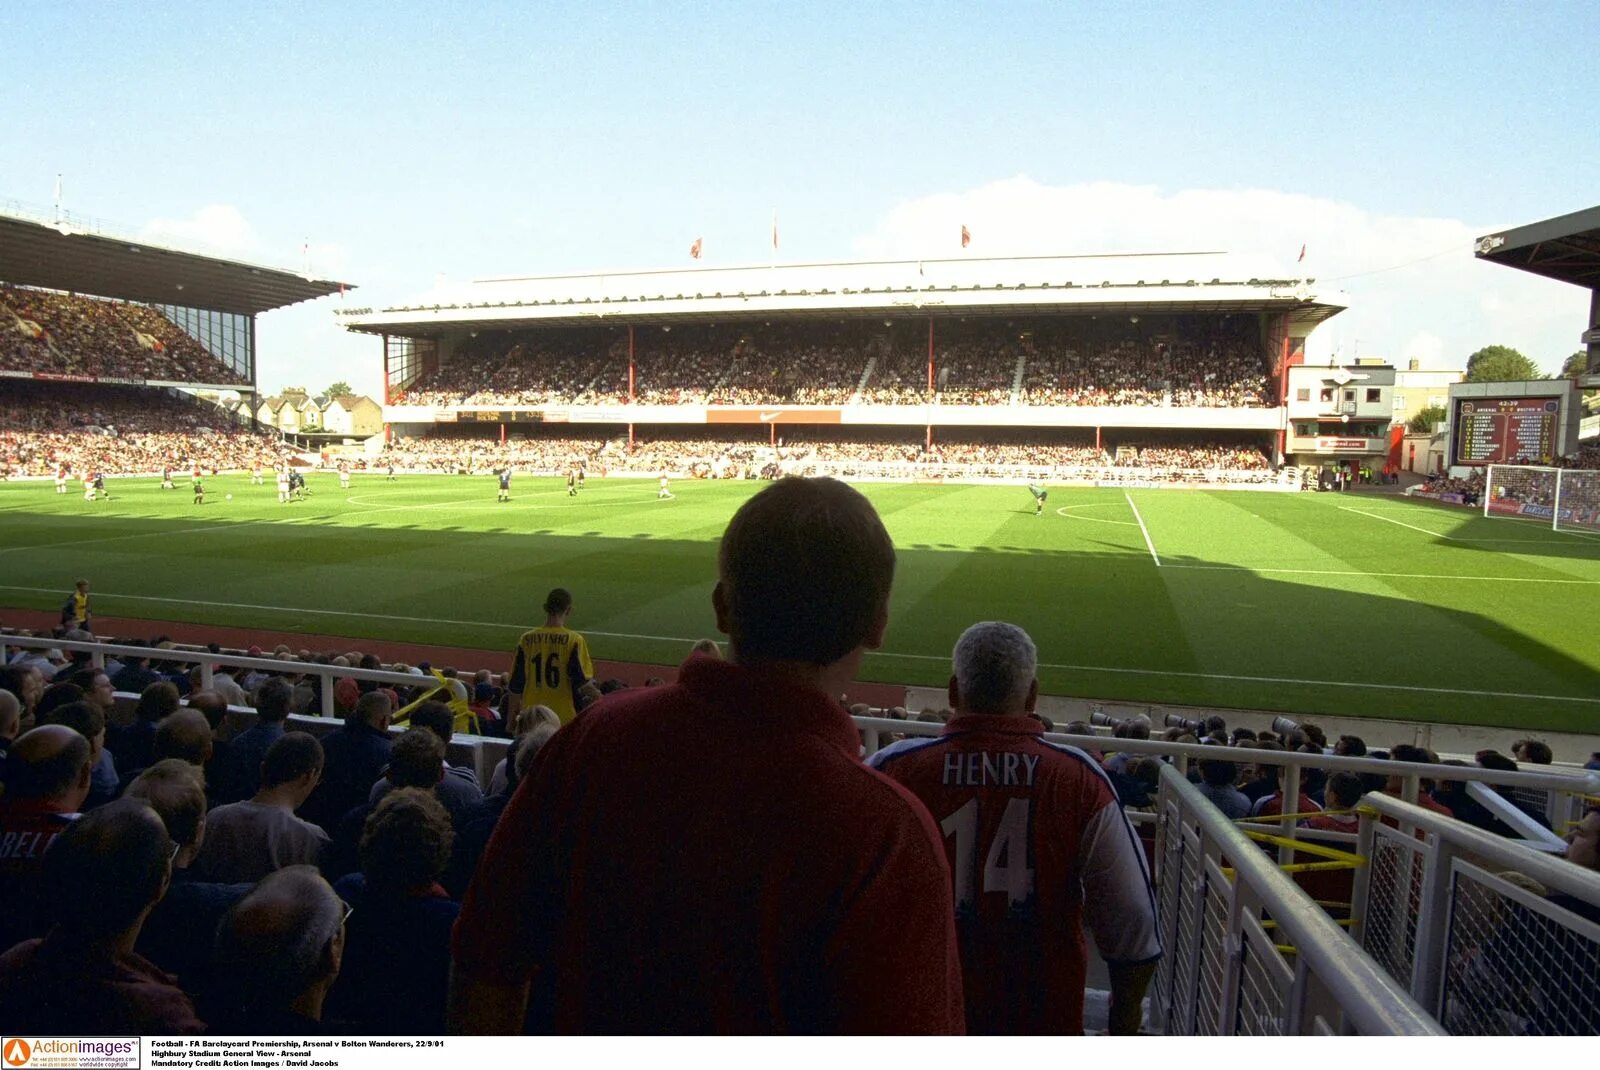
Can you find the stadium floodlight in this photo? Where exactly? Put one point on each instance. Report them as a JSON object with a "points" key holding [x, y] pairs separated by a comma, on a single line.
{"points": [[1569, 498]]}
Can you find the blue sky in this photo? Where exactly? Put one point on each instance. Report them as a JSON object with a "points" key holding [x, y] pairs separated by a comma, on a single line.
{"points": [[406, 141]]}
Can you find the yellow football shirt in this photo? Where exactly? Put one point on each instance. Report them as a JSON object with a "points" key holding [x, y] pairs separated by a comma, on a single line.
{"points": [[550, 664]]}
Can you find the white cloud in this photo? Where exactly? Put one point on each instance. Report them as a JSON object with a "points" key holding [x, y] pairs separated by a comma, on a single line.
{"points": [[1414, 287], [216, 227]]}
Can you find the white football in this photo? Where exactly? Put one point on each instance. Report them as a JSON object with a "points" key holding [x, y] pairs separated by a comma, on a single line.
{"points": [[229, 497]]}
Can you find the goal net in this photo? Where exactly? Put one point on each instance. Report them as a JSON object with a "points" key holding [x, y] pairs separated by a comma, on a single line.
{"points": [[1566, 498]]}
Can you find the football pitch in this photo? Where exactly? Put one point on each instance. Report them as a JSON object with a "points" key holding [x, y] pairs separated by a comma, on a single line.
{"points": [[1352, 604]]}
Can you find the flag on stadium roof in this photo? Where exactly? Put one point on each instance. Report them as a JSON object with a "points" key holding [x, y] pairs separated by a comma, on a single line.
{"points": [[774, 228], [966, 236], [694, 250], [1302, 255]]}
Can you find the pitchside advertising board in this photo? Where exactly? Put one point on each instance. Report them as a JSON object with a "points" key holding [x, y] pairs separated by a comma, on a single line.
{"points": [[1523, 430]]}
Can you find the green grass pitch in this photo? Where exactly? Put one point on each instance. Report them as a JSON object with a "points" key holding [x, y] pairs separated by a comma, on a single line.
{"points": [[1309, 603]]}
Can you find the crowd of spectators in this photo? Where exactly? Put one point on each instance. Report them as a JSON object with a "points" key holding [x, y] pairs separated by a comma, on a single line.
{"points": [[1202, 457], [48, 332], [800, 450], [119, 430], [1175, 362], [476, 455], [1200, 366], [270, 818]]}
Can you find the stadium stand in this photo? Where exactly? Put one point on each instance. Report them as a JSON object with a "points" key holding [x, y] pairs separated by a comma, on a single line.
{"points": [[1164, 361], [120, 430], [42, 331]]}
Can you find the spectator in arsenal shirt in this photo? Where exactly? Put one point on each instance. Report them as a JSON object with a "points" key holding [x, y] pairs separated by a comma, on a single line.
{"points": [[1070, 856], [47, 781], [713, 857], [102, 876]]}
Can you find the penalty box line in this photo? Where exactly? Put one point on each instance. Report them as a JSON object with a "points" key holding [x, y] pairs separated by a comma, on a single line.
{"points": [[942, 658]]}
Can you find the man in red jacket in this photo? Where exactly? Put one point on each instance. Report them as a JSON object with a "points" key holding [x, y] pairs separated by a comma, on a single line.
{"points": [[713, 857]]}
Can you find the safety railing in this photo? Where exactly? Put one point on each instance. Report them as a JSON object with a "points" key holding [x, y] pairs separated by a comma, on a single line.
{"points": [[1246, 951], [1491, 936], [478, 752], [1562, 791]]}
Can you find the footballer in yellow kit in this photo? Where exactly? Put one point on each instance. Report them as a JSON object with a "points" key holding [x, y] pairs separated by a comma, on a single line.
{"points": [[551, 662]]}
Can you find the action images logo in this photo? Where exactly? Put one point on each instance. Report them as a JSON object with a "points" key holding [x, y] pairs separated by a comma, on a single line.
{"points": [[70, 1053]]}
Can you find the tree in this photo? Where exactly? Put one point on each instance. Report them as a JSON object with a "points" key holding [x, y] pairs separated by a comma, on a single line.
{"points": [[1576, 365], [1424, 422], [338, 390], [1498, 364]]}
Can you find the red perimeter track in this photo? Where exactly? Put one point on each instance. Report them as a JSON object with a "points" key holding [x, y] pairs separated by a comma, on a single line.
{"points": [[633, 674]]}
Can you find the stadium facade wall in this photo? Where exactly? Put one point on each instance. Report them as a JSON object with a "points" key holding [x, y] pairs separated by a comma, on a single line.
{"points": [[1141, 416]]}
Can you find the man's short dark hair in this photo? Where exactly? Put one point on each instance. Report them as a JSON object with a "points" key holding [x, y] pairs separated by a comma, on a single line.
{"points": [[1494, 760], [274, 697], [416, 760], [1537, 752], [436, 718], [405, 843], [45, 777], [84, 718], [559, 600], [1218, 774], [185, 735], [120, 852], [1344, 790], [370, 707], [1351, 746], [291, 756], [156, 701], [805, 568], [54, 697]]}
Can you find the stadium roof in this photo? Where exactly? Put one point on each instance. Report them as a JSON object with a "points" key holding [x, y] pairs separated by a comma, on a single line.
{"points": [[1167, 282], [34, 252], [1566, 248]]}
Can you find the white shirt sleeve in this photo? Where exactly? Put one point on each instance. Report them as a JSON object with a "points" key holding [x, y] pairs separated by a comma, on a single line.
{"points": [[1119, 905]]}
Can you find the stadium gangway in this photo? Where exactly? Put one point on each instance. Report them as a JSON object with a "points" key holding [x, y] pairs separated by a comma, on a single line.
{"points": [[1455, 915], [1246, 951], [1559, 794]]}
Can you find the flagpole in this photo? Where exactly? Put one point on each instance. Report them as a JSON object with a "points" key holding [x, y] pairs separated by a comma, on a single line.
{"points": [[58, 198]]}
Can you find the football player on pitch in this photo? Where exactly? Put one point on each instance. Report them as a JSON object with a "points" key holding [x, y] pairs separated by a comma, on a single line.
{"points": [[1039, 495]]}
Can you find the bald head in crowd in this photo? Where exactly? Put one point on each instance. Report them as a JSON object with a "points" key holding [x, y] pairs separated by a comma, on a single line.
{"points": [[10, 716], [282, 943], [186, 735], [374, 709], [50, 763], [120, 851]]}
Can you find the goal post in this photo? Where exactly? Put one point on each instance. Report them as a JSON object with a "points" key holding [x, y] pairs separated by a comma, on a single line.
{"points": [[1568, 499]]}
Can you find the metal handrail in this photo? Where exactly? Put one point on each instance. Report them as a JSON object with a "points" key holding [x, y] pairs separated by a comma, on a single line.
{"points": [[1556, 873], [1372, 1000], [209, 662], [1581, 781]]}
